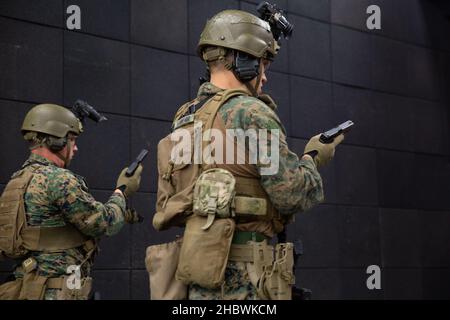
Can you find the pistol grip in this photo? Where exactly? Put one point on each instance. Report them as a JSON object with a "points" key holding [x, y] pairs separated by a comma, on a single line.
{"points": [[325, 139]]}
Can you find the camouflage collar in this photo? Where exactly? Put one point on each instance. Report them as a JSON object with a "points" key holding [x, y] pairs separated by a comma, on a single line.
{"points": [[34, 158], [208, 89]]}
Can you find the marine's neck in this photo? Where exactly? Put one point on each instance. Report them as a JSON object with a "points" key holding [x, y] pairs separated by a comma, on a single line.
{"points": [[47, 154], [225, 79]]}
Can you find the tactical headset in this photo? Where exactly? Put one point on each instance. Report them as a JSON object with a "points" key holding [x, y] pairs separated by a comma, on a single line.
{"points": [[245, 66], [55, 144]]}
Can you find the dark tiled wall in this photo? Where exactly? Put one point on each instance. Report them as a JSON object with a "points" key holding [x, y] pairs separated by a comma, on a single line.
{"points": [[387, 189]]}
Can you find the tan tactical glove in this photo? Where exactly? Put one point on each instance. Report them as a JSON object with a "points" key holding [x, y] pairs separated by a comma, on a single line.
{"points": [[131, 216], [129, 185], [322, 153]]}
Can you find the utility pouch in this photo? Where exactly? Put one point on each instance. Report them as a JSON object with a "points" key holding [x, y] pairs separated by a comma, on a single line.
{"points": [[161, 262], [214, 195], [204, 253], [33, 286], [277, 283], [12, 215], [81, 293], [258, 257], [11, 290]]}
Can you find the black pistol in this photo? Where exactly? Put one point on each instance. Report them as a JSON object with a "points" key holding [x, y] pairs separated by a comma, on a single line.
{"points": [[132, 168], [328, 136]]}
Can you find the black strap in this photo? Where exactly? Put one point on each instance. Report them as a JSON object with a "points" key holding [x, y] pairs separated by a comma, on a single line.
{"points": [[34, 162], [194, 107]]}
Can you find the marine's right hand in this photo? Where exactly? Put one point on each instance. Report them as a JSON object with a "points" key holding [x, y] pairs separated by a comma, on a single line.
{"points": [[322, 153], [129, 185]]}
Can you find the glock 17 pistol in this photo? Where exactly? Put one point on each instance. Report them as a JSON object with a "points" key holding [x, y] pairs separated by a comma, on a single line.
{"points": [[328, 136], [132, 168]]}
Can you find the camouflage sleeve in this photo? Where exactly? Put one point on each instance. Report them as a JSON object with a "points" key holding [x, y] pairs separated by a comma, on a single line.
{"points": [[70, 194], [295, 185]]}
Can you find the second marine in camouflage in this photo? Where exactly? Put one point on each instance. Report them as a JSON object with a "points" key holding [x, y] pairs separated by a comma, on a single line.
{"points": [[53, 221]]}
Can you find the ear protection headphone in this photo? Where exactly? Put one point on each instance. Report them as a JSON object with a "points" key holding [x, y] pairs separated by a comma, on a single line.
{"points": [[55, 144], [246, 67]]}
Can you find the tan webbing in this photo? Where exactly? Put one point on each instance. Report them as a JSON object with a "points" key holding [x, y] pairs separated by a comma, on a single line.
{"points": [[55, 283], [217, 101], [251, 187], [251, 252], [52, 239], [250, 206]]}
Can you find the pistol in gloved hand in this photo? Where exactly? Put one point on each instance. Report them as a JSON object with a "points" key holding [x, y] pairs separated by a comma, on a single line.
{"points": [[321, 152], [129, 184]]}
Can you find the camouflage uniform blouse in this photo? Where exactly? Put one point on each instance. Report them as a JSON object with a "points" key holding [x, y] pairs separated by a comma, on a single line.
{"points": [[55, 197]]}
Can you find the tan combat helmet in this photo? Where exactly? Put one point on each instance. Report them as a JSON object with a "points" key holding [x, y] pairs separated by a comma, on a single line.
{"points": [[238, 30], [50, 119]]}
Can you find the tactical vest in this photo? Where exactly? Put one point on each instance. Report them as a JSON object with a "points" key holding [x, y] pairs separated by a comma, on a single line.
{"points": [[176, 182], [17, 238]]}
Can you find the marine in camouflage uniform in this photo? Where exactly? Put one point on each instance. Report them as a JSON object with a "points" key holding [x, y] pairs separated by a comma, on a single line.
{"points": [[55, 197], [237, 48], [297, 185]]}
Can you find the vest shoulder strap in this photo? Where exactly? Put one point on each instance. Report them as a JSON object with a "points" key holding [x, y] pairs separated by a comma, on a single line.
{"points": [[184, 108], [209, 111]]}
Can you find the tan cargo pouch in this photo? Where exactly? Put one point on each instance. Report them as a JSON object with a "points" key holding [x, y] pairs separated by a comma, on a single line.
{"points": [[161, 262], [33, 286], [204, 253], [12, 215], [10, 290]]}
